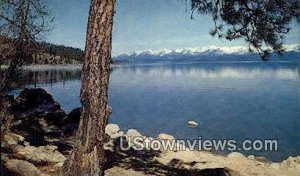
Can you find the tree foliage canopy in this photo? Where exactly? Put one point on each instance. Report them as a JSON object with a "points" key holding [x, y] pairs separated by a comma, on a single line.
{"points": [[26, 19], [261, 23], [22, 24]]}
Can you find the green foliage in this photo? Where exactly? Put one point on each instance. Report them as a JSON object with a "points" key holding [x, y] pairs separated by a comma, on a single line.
{"points": [[63, 51], [66, 52], [261, 23]]}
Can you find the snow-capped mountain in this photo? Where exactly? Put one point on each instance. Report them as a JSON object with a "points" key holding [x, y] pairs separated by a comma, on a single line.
{"points": [[201, 54]]}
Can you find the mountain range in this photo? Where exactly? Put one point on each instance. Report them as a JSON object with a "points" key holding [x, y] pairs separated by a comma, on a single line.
{"points": [[203, 54]]}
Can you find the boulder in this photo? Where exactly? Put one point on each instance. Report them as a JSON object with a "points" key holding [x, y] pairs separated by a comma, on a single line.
{"points": [[14, 167], [178, 146], [192, 123], [275, 165], [51, 122], [38, 115], [236, 155], [35, 98], [40, 155], [73, 116], [71, 122], [31, 130], [132, 133], [113, 130], [163, 136], [252, 157], [13, 139], [291, 162]]}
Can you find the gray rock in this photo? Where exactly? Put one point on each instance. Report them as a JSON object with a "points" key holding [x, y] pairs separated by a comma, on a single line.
{"points": [[192, 123], [20, 168], [42, 154], [13, 139]]}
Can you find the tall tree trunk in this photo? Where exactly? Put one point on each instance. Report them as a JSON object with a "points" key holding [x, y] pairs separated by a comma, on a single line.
{"points": [[88, 158]]}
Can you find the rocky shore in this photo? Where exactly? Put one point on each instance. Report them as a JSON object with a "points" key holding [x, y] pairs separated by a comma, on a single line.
{"points": [[42, 136]]}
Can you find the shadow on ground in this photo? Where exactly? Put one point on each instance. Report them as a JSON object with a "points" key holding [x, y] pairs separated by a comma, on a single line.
{"points": [[142, 161]]}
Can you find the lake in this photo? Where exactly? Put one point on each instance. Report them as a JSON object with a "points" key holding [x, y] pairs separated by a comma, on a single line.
{"points": [[237, 100]]}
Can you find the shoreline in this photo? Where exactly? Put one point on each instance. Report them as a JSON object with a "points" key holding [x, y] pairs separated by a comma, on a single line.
{"points": [[165, 136], [52, 67], [44, 136], [168, 136], [67, 66], [198, 159]]}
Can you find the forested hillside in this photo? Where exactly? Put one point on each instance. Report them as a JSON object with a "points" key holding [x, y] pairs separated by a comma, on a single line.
{"points": [[62, 51], [45, 53]]}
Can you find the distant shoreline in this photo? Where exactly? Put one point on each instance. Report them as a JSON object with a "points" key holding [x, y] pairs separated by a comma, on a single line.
{"points": [[50, 67]]}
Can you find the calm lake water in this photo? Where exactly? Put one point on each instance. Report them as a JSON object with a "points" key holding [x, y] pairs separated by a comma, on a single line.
{"points": [[246, 100]]}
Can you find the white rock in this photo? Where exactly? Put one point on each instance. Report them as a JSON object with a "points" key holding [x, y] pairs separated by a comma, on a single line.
{"points": [[116, 135], [193, 123], [236, 155], [112, 129], [275, 165], [291, 162], [251, 157], [164, 136], [132, 133]]}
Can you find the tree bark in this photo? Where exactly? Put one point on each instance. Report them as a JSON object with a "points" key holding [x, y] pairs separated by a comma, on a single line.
{"points": [[88, 158]]}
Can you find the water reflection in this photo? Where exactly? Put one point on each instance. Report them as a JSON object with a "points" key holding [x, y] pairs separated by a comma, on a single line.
{"points": [[48, 76], [289, 71], [208, 70], [233, 100]]}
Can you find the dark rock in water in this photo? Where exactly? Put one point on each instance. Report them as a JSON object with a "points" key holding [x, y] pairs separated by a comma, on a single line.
{"points": [[71, 122], [39, 115], [41, 121], [55, 117], [37, 99], [73, 116]]}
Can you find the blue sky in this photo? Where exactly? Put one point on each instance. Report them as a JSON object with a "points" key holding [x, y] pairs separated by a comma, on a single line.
{"points": [[142, 25]]}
